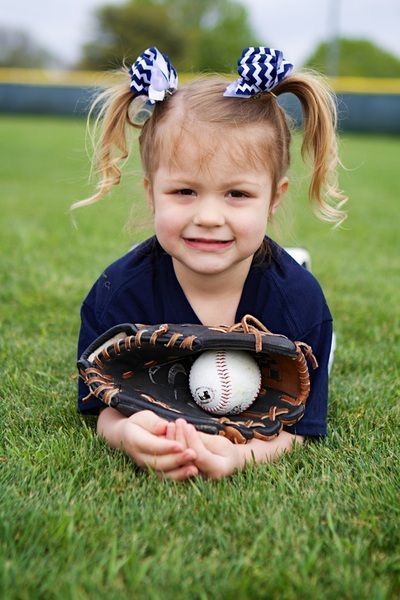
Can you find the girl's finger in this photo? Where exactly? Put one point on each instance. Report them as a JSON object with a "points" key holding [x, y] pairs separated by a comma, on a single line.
{"points": [[192, 437], [138, 439], [160, 428], [180, 432], [180, 474], [170, 432], [194, 441], [150, 421], [169, 462]]}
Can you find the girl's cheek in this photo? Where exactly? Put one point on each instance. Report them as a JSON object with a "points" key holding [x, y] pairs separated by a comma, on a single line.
{"points": [[165, 223]]}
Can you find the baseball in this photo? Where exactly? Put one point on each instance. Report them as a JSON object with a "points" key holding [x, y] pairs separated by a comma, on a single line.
{"points": [[225, 382]]}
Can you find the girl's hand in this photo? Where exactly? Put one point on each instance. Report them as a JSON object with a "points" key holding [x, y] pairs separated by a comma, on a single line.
{"points": [[178, 451], [175, 431], [143, 437], [216, 456]]}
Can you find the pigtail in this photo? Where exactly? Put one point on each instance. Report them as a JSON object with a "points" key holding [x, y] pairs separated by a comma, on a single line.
{"points": [[319, 141], [110, 146]]}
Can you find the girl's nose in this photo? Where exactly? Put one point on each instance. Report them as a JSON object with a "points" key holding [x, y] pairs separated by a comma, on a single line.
{"points": [[209, 213]]}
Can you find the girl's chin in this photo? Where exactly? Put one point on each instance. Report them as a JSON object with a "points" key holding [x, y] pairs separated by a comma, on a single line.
{"points": [[208, 264]]}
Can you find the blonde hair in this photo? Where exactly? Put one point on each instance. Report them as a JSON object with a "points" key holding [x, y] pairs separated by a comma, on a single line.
{"points": [[201, 101]]}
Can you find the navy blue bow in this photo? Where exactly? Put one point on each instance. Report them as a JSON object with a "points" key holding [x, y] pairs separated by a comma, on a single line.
{"points": [[260, 70], [153, 75]]}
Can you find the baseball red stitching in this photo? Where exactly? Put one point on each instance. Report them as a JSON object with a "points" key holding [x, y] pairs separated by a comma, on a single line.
{"points": [[226, 384]]}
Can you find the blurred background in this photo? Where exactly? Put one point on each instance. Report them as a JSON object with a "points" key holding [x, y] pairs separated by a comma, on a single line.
{"points": [[202, 35], [356, 43]]}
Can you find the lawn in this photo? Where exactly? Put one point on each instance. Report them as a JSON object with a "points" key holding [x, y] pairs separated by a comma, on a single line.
{"points": [[77, 520]]}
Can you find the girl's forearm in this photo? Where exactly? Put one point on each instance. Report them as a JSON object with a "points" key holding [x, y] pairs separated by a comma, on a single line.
{"points": [[260, 451], [109, 426]]}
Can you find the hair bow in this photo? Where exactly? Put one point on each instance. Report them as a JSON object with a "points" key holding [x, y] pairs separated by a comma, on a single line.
{"points": [[152, 77], [260, 70]]}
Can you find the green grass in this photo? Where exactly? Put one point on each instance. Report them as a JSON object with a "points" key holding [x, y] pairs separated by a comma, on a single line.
{"points": [[77, 520]]}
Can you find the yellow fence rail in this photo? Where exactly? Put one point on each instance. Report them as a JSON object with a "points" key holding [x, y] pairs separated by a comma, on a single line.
{"points": [[101, 79]]}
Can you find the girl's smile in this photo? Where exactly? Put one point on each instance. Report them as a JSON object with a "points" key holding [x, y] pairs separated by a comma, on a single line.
{"points": [[208, 245]]}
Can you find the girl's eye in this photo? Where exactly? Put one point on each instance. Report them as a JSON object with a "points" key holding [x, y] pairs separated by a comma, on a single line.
{"points": [[185, 192], [238, 194]]}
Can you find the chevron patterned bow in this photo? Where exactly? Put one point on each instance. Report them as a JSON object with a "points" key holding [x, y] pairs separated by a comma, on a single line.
{"points": [[153, 75], [260, 70]]}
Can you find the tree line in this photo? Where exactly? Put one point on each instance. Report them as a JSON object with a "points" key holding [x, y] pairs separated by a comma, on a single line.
{"points": [[201, 36]]}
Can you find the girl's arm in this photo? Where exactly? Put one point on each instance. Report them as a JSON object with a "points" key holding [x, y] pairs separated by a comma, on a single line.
{"points": [[178, 451], [143, 437], [260, 451], [217, 457]]}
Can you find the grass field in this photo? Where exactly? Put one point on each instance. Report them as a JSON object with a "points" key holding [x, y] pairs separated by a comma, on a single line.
{"points": [[77, 520]]}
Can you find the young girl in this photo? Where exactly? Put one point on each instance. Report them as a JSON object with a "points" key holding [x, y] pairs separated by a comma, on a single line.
{"points": [[215, 156]]}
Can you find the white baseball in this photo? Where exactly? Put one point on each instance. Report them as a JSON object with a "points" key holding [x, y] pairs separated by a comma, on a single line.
{"points": [[225, 381]]}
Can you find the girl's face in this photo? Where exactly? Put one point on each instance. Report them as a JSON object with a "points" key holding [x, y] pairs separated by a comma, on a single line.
{"points": [[212, 219]]}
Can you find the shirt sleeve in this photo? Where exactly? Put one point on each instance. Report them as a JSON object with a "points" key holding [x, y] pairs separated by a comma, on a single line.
{"points": [[89, 331], [313, 422]]}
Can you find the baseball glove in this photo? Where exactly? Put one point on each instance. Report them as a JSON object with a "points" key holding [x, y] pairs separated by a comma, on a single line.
{"points": [[134, 367]]}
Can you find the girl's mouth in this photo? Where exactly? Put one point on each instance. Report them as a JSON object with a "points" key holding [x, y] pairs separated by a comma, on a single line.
{"points": [[209, 245]]}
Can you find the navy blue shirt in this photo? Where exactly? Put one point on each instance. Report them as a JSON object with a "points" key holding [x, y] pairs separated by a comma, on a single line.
{"points": [[141, 287]]}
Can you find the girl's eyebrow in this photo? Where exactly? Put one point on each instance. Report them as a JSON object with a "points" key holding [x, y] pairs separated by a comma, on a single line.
{"points": [[182, 181], [238, 182]]}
